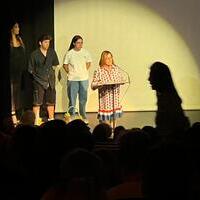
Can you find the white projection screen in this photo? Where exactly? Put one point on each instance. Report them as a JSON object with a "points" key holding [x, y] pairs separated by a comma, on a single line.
{"points": [[137, 36]]}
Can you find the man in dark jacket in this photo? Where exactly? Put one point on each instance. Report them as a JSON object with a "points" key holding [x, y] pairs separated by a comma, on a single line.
{"points": [[42, 65]]}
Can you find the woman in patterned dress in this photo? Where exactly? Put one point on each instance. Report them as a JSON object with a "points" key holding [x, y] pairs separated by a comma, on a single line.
{"points": [[106, 74]]}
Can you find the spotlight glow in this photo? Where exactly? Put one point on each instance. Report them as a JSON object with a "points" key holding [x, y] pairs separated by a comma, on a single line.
{"points": [[137, 36]]}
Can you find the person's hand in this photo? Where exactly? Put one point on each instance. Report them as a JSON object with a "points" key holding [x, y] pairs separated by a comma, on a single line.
{"points": [[99, 83], [59, 75]]}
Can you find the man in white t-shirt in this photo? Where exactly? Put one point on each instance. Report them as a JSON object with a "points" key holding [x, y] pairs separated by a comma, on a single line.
{"points": [[76, 63]]}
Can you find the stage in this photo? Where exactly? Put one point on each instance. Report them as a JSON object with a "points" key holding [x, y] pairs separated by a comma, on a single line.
{"points": [[132, 119]]}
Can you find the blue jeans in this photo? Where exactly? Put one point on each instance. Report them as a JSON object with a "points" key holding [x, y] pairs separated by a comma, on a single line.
{"points": [[79, 88]]}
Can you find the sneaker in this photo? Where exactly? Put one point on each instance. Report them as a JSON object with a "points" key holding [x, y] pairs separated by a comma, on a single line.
{"points": [[67, 117], [16, 123], [50, 119], [38, 122], [14, 120], [86, 121]]}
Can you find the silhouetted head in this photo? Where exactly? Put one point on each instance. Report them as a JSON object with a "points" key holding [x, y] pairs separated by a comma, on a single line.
{"points": [[153, 134], [160, 77], [79, 135], [102, 132], [119, 131], [82, 175], [24, 138], [28, 118], [81, 163], [133, 149]]}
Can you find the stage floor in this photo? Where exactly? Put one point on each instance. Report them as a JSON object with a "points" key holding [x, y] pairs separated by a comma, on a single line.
{"points": [[132, 119]]}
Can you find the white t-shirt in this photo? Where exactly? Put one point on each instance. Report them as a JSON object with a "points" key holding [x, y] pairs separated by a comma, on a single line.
{"points": [[76, 61]]}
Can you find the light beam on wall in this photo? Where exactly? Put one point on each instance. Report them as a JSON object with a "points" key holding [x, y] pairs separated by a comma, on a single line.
{"points": [[137, 36]]}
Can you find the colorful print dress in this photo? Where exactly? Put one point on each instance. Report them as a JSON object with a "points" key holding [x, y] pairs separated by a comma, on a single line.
{"points": [[109, 95]]}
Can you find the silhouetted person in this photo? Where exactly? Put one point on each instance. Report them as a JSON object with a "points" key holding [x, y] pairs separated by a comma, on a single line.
{"points": [[119, 131], [170, 117], [132, 154], [18, 63], [154, 138], [102, 133], [81, 178], [167, 173], [79, 135], [28, 118]]}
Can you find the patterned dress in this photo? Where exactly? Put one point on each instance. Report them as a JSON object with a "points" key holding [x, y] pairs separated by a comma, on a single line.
{"points": [[109, 95]]}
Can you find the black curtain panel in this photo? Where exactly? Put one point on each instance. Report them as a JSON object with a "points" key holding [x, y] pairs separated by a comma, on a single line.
{"points": [[35, 17]]}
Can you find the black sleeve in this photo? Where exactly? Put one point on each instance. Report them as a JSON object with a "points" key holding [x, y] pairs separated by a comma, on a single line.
{"points": [[55, 59], [31, 64]]}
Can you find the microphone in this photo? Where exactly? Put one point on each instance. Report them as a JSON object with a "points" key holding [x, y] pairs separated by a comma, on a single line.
{"points": [[129, 80]]}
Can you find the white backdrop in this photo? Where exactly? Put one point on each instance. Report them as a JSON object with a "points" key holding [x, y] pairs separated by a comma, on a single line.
{"points": [[137, 35]]}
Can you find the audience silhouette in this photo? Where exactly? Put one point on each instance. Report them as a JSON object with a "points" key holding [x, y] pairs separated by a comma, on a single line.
{"points": [[67, 161]]}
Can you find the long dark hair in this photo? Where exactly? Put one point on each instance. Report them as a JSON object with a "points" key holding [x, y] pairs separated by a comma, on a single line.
{"points": [[18, 37], [162, 78], [74, 39]]}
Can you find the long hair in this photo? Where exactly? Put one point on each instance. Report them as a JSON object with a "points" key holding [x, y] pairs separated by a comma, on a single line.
{"points": [[161, 75], [74, 39], [18, 37], [102, 59]]}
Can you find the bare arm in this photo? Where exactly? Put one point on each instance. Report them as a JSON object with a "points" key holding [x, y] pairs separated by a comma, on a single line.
{"points": [[66, 67], [88, 64], [96, 85], [96, 82], [54, 67]]}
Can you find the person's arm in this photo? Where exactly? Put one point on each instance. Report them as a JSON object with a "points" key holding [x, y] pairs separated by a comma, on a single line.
{"points": [[55, 62], [96, 85], [66, 67], [31, 65], [88, 64], [54, 67], [88, 60], [66, 62], [96, 82]]}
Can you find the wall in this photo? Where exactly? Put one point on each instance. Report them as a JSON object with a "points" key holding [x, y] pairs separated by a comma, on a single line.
{"points": [[137, 33]]}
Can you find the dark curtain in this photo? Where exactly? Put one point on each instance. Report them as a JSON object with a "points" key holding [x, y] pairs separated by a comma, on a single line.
{"points": [[36, 17]]}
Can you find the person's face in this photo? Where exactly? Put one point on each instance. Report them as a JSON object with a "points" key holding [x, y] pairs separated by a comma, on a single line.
{"points": [[15, 29], [78, 44], [152, 81], [108, 60], [45, 44]]}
